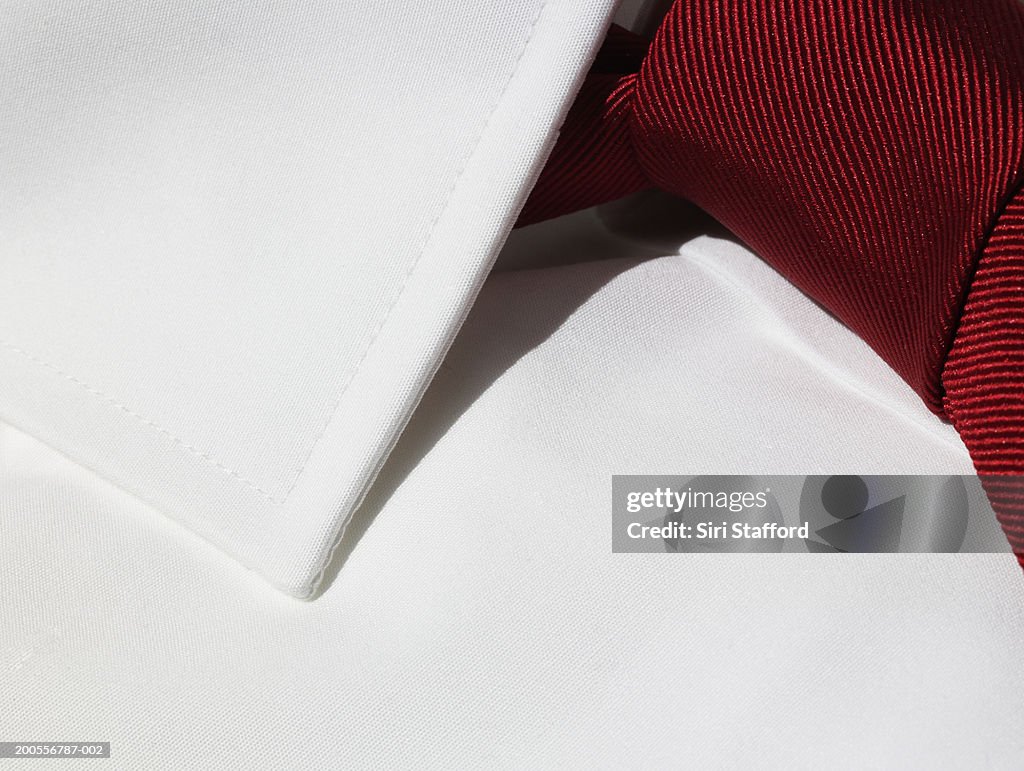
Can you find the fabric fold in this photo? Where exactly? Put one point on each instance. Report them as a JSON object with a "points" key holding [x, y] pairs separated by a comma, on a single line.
{"points": [[866, 151], [236, 241]]}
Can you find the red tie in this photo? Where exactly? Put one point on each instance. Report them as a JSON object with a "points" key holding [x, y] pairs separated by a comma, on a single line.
{"points": [[871, 151]]}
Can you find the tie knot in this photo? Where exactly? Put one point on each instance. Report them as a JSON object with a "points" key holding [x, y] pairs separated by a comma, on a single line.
{"points": [[862, 149]]}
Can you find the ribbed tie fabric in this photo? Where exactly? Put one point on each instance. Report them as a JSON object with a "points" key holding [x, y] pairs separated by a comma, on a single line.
{"points": [[871, 151]]}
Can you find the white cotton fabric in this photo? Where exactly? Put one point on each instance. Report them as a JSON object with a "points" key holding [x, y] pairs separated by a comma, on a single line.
{"points": [[236, 238], [475, 617]]}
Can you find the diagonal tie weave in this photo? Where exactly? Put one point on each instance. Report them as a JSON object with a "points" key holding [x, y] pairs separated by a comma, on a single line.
{"points": [[871, 150]]}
